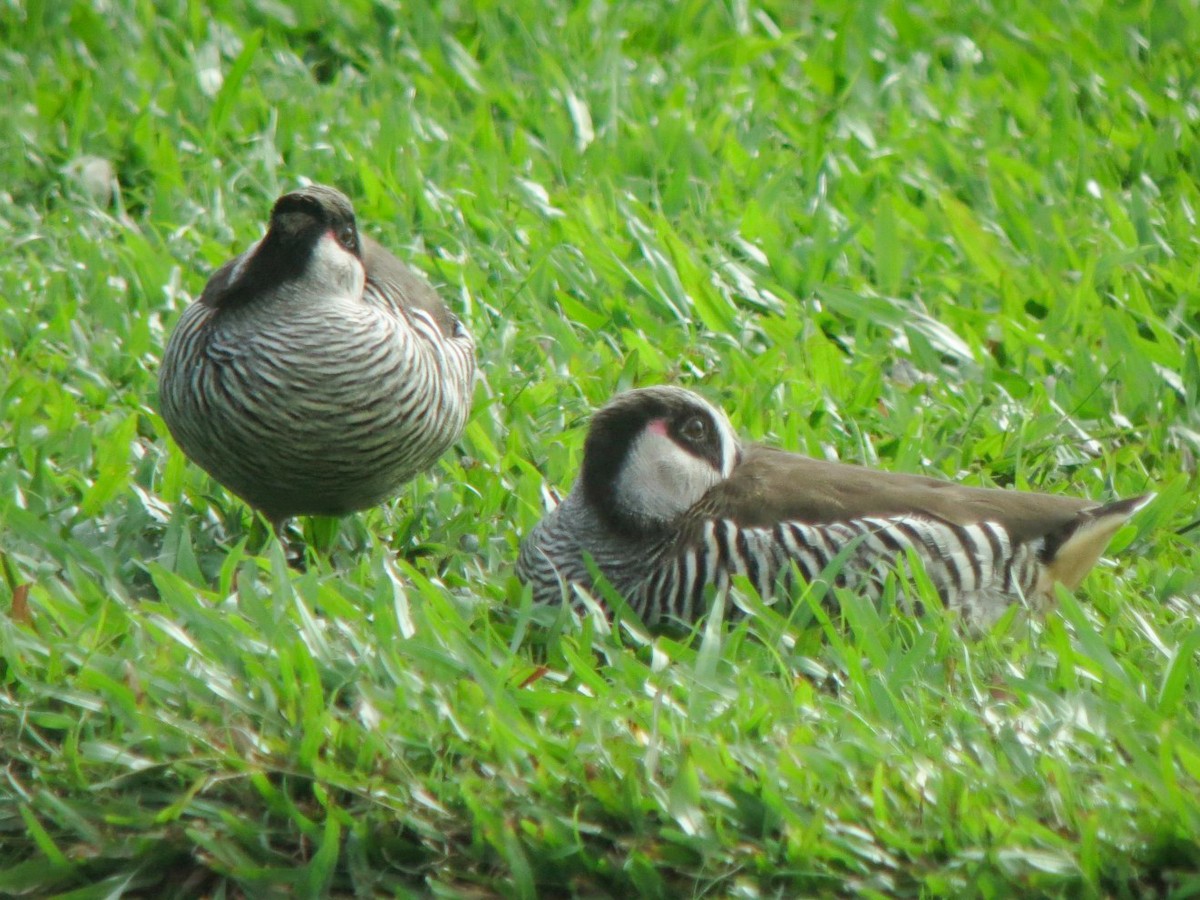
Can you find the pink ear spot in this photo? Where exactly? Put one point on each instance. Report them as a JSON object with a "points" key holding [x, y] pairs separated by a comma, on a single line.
{"points": [[657, 426]]}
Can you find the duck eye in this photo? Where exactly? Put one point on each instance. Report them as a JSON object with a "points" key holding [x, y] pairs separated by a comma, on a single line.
{"points": [[347, 236], [694, 429]]}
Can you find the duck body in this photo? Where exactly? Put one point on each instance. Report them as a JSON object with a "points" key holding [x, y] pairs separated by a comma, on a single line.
{"points": [[669, 504]]}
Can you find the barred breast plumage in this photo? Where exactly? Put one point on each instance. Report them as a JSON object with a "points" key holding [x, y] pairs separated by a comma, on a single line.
{"points": [[668, 503], [316, 374]]}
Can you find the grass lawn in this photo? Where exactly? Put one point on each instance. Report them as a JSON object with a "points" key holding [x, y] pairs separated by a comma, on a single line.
{"points": [[945, 237]]}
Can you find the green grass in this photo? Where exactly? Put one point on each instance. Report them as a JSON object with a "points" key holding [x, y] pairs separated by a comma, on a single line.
{"points": [[940, 237]]}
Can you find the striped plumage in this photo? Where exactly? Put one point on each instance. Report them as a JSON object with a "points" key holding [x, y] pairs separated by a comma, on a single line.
{"points": [[316, 374], [669, 503]]}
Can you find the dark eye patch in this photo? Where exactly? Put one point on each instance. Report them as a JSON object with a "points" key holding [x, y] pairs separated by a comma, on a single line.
{"points": [[696, 432], [348, 237]]}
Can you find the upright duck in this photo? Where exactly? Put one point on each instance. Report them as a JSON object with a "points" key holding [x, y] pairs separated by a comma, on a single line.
{"points": [[316, 373]]}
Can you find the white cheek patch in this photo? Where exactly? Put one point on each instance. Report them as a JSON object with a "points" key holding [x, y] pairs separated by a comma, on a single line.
{"points": [[335, 266], [660, 479]]}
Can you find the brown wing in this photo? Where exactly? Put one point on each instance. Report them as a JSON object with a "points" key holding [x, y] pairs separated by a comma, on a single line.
{"points": [[397, 280], [770, 486]]}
